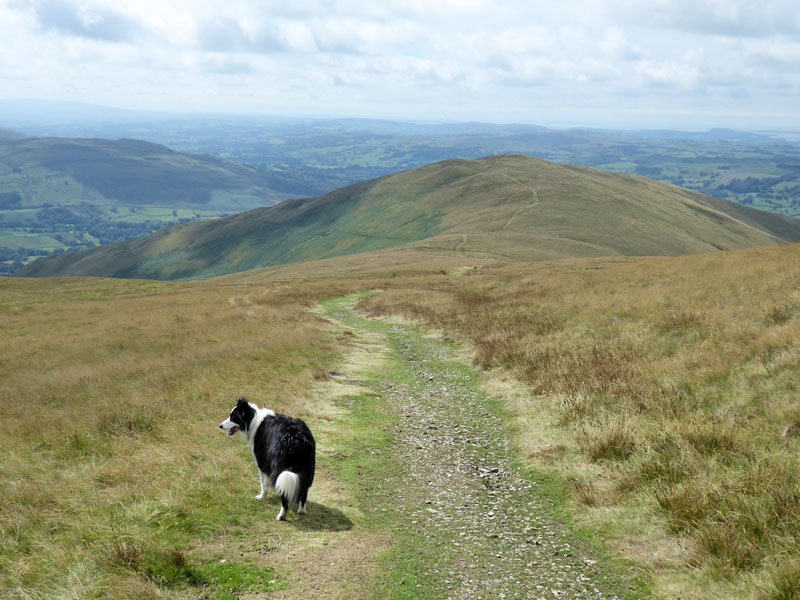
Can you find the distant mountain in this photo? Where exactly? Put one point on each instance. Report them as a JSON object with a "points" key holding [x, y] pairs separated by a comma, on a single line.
{"points": [[307, 156], [10, 134], [512, 207], [25, 113], [127, 173]]}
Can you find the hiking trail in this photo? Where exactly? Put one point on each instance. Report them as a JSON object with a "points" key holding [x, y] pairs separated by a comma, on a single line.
{"points": [[473, 525]]}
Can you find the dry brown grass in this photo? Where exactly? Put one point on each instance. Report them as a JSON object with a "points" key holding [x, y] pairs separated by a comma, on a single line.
{"points": [[110, 394], [673, 382], [666, 389]]}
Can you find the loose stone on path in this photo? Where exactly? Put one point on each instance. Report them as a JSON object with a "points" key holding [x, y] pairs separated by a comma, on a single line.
{"points": [[487, 529]]}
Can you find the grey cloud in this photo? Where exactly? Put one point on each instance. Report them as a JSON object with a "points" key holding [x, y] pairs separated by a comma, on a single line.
{"points": [[732, 18], [228, 35], [95, 22], [229, 67], [222, 35]]}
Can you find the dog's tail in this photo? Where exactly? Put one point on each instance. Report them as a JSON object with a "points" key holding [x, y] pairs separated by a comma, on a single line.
{"points": [[288, 485]]}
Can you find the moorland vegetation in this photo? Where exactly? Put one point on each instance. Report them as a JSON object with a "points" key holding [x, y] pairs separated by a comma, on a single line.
{"points": [[656, 396], [667, 410]]}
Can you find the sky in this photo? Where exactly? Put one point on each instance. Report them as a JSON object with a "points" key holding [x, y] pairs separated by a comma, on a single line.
{"points": [[673, 64]]}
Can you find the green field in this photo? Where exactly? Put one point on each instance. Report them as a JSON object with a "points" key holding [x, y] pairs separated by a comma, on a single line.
{"points": [[311, 157]]}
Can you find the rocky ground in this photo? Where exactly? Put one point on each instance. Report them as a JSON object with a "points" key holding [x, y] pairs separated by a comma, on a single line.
{"points": [[483, 529]]}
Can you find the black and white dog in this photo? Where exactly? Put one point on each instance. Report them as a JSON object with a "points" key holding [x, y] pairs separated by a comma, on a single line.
{"points": [[283, 448]]}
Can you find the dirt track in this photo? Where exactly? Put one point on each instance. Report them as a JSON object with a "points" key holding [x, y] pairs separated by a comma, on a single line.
{"points": [[484, 530]]}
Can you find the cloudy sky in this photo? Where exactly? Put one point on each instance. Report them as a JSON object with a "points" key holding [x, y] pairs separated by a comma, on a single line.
{"points": [[691, 64]]}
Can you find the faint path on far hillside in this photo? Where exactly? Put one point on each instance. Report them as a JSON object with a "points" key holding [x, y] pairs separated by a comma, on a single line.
{"points": [[534, 194], [480, 528]]}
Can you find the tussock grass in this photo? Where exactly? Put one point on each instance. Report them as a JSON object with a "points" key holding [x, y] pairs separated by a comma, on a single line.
{"points": [[665, 390], [673, 385], [113, 470]]}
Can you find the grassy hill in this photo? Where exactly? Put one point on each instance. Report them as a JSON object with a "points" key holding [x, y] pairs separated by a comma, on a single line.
{"points": [[59, 194], [510, 207], [312, 156], [126, 173]]}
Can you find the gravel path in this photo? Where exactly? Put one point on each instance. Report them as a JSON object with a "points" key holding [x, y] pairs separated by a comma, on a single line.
{"points": [[485, 531]]}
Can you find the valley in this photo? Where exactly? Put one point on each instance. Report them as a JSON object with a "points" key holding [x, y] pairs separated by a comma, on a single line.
{"points": [[64, 194], [67, 209], [314, 156], [507, 207]]}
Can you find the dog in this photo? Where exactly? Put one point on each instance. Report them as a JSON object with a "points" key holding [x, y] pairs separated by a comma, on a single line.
{"points": [[283, 448]]}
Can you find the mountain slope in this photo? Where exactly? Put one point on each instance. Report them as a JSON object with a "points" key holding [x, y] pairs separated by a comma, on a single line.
{"points": [[10, 134], [127, 173], [505, 207]]}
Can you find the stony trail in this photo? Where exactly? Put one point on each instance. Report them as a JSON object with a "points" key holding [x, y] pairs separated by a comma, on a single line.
{"points": [[481, 528]]}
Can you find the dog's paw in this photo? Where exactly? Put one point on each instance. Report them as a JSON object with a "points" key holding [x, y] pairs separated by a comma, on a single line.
{"points": [[301, 510], [260, 496]]}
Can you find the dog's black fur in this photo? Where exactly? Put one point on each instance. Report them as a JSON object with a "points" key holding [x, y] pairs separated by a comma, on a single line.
{"points": [[279, 444]]}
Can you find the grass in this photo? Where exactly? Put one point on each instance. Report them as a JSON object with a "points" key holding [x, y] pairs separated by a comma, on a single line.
{"points": [[114, 476], [660, 395], [663, 391], [122, 188], [126, 172], [417, 551], [369, 423]]}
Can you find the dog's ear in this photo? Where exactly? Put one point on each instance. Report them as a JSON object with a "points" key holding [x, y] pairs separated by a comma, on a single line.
{"points": [[241, 401]]}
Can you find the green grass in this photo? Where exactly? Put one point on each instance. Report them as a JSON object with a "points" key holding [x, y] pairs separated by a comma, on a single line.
{"points": [[220, 581], [127, 173], [662, 410], [32, 241], [122, 182], [370, 419]]}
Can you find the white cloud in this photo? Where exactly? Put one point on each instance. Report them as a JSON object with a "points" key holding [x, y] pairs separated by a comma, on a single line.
{"points": [[95, 20], [677, 75], [615, 45], [413, 58]]}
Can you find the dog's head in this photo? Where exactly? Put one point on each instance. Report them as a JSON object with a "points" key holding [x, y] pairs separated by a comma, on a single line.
{"points": [[241, 416]]}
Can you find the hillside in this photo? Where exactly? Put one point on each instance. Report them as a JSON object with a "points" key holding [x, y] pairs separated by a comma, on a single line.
{"points": [[10, 134], [312, 156], [510, 207], [126, 173]]}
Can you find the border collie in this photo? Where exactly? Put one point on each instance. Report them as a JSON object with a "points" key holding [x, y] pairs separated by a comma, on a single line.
{"points": [[283, 448]]}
